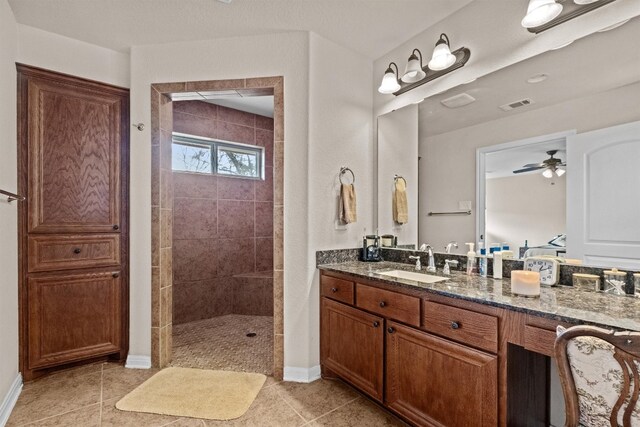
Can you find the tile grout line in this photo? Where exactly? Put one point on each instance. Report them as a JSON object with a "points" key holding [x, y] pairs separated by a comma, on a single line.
{"points": [[333, 410], [292, 408], [57, 415]]}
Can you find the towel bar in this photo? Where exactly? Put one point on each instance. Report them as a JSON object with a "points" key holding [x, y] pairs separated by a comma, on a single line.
{"points": [[450, 213], [11, 196]]}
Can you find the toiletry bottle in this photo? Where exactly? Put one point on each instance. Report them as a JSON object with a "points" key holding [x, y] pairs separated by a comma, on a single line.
{"points": [[497, 265], [471, 259], [506, 252], [482, 260]]}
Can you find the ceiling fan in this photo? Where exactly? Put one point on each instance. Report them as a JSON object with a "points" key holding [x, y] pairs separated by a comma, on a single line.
{"points": [[550, 166]]}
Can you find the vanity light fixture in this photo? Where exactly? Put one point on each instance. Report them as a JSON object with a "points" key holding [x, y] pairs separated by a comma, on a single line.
{"points": [[443, 61], [544, 14]]}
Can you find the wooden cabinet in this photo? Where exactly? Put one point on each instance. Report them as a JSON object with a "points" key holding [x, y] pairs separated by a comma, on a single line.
{"points": [[73, 149], [433, 381], [352, 346]]}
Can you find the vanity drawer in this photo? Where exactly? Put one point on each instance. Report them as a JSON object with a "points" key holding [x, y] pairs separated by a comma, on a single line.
{"points": [[468, 327], [56, 252], [337, 289], [391, 305]]}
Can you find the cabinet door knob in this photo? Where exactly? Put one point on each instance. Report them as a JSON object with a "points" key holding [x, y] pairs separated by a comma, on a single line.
{"points": [[116, 227], [376, 324], [382, 303], [391, 330], [115, 275], [334, 290], [77, 251], [455, 325]]}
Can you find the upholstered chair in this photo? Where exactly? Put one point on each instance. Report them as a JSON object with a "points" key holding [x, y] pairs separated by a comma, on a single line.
{"points": [[599, 375]]}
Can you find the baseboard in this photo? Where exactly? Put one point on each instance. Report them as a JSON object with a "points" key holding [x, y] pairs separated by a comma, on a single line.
{"points": [[301, 375], [10, 400], [138, 362]]}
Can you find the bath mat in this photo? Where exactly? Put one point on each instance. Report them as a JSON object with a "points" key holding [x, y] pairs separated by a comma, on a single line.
{"points": [[195, 393]]}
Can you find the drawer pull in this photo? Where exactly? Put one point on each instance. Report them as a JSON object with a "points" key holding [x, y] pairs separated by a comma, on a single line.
{"points": [[116, 227], [391, 330], [455, 325], [334, 290], [376, 324], [77, 251], [115, 275], [382, 303]]}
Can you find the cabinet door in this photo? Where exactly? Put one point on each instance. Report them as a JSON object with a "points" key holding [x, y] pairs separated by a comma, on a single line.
{"points": [[73, 317], [435, 382], [352, 346], [74, 134]]}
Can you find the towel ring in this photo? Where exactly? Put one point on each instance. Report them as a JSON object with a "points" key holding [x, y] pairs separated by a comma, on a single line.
{"points": [[343, 171], [397, 177]]}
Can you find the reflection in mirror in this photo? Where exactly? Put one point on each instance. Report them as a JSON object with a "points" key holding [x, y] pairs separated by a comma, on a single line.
{"points": [[591, 85]]}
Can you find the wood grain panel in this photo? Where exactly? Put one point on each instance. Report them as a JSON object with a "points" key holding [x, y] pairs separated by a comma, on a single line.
{"points": [[468, 327], [73, 317], [60, 252], [74, 146], [392, 305], [337, 289], [352, 346], [435, 382]]}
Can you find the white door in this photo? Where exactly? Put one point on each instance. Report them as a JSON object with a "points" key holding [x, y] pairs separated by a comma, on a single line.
{"points": [[603, 196]]}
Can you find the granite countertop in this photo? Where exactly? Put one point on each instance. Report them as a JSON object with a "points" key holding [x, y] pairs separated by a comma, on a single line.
{"points": [[561, 303]]}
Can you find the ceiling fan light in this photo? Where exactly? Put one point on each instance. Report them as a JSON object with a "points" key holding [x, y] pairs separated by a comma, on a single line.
{"points": [[389, 81], [584, 1], [442, 57], [540, 12], [548, 173], [560, 171], [414, 71]]}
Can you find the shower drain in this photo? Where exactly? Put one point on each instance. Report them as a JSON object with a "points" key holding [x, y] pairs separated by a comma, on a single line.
{"points": [[251, 334]]}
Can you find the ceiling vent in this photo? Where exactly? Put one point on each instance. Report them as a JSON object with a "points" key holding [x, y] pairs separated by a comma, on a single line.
{"points": [[458, 101], [516, 104]]}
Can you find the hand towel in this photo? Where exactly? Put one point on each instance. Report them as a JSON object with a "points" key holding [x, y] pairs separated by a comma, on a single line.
{"points": [[348, 203], [400, 207]]}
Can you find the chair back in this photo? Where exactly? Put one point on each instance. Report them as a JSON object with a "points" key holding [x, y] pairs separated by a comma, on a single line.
{"points": [[599, 373]]}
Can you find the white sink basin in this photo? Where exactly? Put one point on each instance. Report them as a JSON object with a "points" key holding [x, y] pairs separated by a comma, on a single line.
{"points": [[409, 275]]}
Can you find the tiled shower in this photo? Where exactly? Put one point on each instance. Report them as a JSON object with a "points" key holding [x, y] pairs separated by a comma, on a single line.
{"points": [[222, 230]]}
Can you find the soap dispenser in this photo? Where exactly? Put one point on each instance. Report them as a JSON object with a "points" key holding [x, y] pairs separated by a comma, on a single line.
{"points": [[471, 259], [482, 259]]}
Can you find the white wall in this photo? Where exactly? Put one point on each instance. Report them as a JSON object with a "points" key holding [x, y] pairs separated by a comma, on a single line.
{"points": [[448, 165], [340, 134], [398, 155], [525, 207], [8, 212], [65, 55]]}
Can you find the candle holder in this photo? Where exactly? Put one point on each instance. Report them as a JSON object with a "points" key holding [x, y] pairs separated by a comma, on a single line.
{"points": [[525, 283]]}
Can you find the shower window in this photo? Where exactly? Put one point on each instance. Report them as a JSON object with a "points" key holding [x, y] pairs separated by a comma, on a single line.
{"points": [[209, 156]]}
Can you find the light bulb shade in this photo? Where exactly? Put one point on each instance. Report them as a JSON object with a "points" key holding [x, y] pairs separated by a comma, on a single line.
{"points": [[540, 12], [560, 171], [548, 173], [414, 72], [584, 1], [442, 57], [389, 82]]}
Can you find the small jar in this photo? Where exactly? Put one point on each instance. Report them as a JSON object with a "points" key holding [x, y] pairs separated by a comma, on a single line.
{"points": [[586, 282], [614, 282]]}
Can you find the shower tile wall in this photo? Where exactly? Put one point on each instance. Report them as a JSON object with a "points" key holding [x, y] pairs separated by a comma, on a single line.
{"points": [[222, 227]]}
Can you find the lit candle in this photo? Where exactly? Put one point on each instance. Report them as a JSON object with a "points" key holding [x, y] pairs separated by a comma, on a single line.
{"points": [[525, 283]]}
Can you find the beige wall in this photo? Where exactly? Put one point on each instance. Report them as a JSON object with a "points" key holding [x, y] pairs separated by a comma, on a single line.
{"points": [[8, 212], [525, 207], [448, 165]]}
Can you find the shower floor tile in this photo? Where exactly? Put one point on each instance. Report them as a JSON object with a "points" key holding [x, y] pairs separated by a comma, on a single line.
{"points": [[222, 343]]}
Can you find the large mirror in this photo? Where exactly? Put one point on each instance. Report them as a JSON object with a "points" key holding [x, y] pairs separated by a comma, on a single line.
{"points": [[543, 155]]}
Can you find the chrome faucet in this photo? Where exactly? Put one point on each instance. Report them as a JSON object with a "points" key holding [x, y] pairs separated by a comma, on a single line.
{"points": [[431, 268], [447, 264], [447, 248], [418, 263]]}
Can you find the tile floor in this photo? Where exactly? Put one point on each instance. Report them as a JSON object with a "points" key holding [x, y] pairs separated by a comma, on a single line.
{"points": [[222, 343], [86, 396]]}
